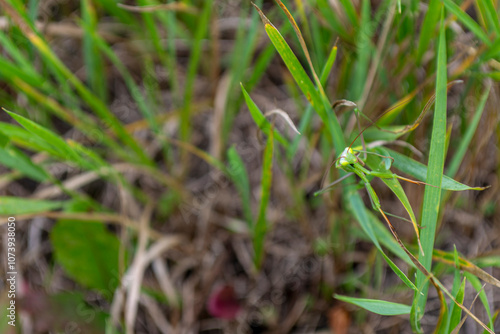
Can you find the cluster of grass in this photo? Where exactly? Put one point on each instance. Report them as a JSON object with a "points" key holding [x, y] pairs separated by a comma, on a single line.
{"points": [[149, 149]]}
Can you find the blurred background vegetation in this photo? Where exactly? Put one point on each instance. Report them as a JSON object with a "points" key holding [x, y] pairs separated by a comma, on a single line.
{"points": [[138, 176]]}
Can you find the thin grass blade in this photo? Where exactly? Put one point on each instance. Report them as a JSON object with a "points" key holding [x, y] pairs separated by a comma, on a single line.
{"points": [[432, 195], [381, 307]]}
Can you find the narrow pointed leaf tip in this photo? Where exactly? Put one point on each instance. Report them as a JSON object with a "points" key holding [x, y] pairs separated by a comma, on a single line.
{"points": [[263, 17]]}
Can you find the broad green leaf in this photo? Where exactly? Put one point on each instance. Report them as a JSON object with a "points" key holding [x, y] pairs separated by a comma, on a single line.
{"points": [[419, 172], [88, 252], [381, 307], [10, 206]]}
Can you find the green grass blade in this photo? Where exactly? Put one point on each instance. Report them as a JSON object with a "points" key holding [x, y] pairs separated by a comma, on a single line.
{"points": [[14, 158], [467, 21], [489, 12], [328, 65], [194, 61], [455, 311], [296, 69], [493, 51], [24, 139], [350, 11], [419, 172], [59, 147], [366, 221], [93, 64], [134, 89], [476, 284], [332, 18], [381, 307], [396, 188], [364, 52], [93, 101], [428, 27], [432, 195], [10, 206], [261, 225], [261, 120], [239, 175], [306, 118]]}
